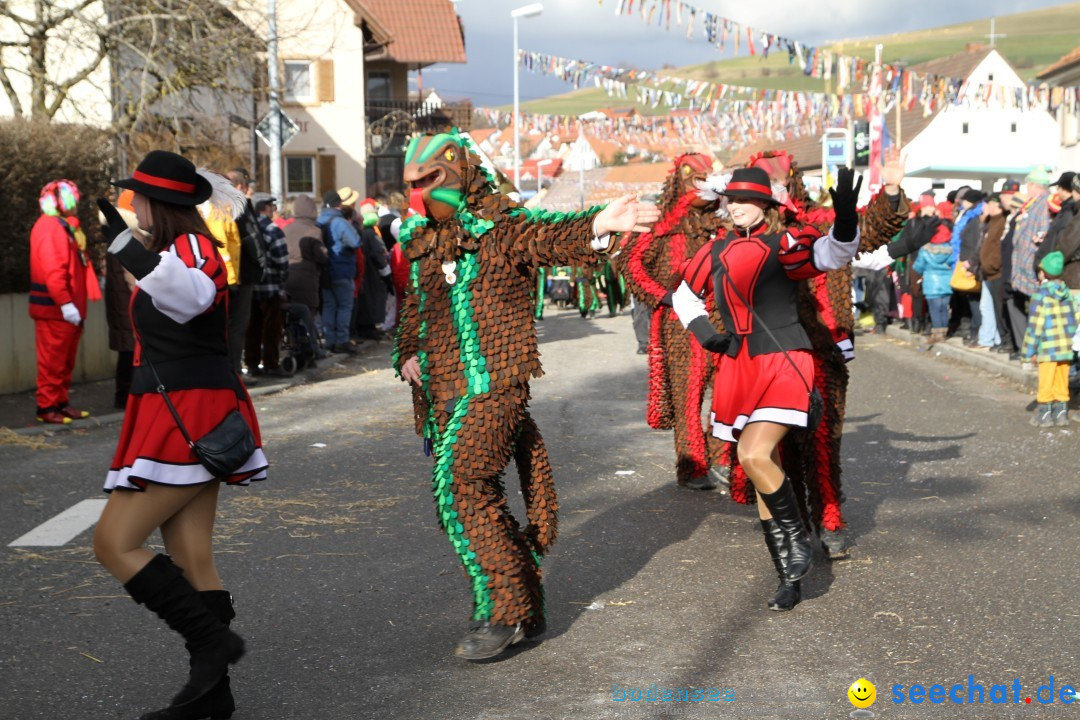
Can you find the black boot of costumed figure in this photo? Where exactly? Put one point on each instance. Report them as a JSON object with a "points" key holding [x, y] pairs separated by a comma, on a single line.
{"points": [[217, 704], [785, 511], [487, 641], [162, 587], [788, 594]]}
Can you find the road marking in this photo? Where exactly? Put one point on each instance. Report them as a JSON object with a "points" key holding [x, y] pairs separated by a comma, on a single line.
{"points": [[65, 527]]}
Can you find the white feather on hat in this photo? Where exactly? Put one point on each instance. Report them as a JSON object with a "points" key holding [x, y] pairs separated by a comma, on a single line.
{"points": [[225, 198]]}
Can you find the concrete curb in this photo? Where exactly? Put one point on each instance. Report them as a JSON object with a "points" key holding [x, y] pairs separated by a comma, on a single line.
{"points": [[98, 421], [990, 362]]}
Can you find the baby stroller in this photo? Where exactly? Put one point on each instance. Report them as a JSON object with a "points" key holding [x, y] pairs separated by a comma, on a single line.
{"points": [[297, 345]]}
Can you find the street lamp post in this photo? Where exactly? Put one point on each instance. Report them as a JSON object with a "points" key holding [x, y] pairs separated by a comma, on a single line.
{"points": [[275, 103], [524, 11]]}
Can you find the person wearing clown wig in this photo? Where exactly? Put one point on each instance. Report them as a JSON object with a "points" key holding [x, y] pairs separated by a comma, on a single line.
{"points": [[61, 282]]}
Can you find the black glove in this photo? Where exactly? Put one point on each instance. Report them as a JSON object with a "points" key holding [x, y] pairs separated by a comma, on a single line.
{"points": [[706, 335], [388, 281], [132, 254], [114, 224], [666, 301], [845, 199]]}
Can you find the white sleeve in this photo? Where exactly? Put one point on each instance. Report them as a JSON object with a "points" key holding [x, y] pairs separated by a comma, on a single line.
{"points": [[600, 243], [831, 254], [179, 291], [687, 305]]}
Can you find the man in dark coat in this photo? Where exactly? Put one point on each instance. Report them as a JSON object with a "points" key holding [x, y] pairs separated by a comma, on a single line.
{"points": [[307, 257], [1066, 197]]}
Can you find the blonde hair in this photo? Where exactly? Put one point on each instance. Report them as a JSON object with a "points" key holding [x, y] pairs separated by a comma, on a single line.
{"points": [[773, 222]]}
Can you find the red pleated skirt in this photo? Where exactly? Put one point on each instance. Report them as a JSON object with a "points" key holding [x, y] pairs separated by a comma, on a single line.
{"points": [[152, 449], [765, 388]]}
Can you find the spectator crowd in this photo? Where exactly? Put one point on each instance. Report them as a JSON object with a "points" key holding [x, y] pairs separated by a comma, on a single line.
{"points": [[303, 282], [1001, 270]]}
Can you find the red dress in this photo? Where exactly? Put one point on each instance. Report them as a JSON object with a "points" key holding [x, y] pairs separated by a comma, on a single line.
{"points": [[180, 315]]}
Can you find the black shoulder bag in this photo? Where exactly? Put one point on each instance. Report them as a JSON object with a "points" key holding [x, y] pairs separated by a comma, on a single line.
{"points": [[223, 450], [817, 403]]}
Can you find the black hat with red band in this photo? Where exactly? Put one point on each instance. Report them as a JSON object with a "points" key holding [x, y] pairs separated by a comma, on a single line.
{"points": [[750, 183], [168, 177]]}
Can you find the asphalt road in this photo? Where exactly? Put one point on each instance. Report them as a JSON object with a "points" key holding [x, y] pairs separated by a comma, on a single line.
{"points": [[351, 599]]}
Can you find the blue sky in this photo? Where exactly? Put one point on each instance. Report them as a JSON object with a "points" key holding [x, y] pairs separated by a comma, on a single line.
{"points": [[591, 31]]}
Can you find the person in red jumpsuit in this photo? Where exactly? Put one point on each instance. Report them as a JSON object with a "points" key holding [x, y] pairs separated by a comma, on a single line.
{"points": [[59, 270]]}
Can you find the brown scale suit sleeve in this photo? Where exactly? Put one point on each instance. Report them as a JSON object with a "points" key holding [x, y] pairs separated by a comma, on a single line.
{"points": [[543, 239], [879, 223]]}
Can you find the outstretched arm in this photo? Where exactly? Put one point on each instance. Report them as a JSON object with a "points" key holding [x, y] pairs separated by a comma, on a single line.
{"points": [[540, 238]]}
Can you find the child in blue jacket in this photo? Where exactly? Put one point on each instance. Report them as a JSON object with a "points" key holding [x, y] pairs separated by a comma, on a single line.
{"points": [[935, 264]]}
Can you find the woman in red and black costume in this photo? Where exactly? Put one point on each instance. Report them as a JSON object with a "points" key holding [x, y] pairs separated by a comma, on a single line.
{"points": [[180, 317], [758, 395]]}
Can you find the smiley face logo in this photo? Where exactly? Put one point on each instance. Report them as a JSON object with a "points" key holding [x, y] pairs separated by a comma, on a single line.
{"points": [[862, 693]]}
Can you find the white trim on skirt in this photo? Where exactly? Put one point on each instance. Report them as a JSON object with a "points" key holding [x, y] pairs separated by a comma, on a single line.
{"points": [[163, 473], [781, 416]]}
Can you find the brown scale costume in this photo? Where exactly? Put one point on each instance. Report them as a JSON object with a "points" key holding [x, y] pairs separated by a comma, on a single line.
{"points": [[467, 317], [680, 370], [825, 310]]}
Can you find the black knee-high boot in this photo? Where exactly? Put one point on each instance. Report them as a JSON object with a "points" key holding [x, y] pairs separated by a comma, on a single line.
{"points": [[785, 511], [788, 594], [217, 704], [162, 587]]}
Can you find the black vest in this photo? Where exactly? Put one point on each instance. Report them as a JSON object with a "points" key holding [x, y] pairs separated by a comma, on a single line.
{"points": [[186, 355]]}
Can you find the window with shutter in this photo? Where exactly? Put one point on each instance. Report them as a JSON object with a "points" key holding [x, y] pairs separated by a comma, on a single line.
{"points": [[327, 173], [326, 80]]}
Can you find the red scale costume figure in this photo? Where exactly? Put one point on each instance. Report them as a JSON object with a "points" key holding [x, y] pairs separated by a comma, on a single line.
{"points": [[825, 311], [679, 368], [61, 282]]}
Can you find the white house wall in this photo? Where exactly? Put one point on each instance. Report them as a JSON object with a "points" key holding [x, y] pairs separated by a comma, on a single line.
{"points": [[989, 143], [325, 30]]}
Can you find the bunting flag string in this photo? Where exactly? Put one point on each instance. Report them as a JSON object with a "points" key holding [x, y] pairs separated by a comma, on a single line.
{"points": [[897, 85], [825, 63], [745, 124]]}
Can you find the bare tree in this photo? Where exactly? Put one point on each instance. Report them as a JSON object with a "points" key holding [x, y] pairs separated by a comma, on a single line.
{"points": [[165, 58]]}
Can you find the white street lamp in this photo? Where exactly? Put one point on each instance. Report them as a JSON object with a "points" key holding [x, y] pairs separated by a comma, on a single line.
{"points": [[525, 11]]}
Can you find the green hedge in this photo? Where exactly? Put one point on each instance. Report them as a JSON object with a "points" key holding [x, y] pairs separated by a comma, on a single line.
{"points": [[31, 155]]}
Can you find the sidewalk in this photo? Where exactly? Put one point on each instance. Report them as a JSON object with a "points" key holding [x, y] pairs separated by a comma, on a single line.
{"points": [[954, 349], [17, 409]]}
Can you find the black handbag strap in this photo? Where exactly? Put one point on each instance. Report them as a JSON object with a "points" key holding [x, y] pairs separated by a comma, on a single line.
{"points": [[168, 403], [757, 318], [172, 409]]}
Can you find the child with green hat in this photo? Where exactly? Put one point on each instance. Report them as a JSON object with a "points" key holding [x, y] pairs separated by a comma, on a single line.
{"points": [[1052, 323]]}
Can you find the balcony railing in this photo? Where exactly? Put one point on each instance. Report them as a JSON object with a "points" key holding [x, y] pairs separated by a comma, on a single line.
{"points": [[425, 115]]}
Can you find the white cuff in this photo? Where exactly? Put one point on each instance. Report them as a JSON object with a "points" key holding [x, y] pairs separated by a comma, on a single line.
{"points": [[121, 241], [384, 270], [875, 260], [600, 243]]}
